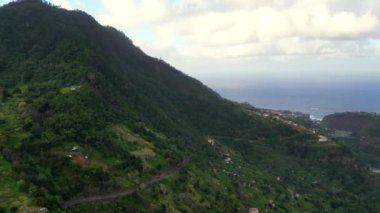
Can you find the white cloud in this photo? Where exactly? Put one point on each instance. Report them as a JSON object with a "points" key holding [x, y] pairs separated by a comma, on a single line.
{"points": [[122, 13], [63, 3], [250, 28]]}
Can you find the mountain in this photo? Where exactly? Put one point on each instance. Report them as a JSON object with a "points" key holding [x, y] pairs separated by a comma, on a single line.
{"points": [[359, 123], [364, 138], [88, 118]]}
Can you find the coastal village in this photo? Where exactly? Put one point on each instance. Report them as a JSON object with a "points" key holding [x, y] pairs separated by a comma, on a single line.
{"points": [[233, 168], [292, 120], [321, 136]]}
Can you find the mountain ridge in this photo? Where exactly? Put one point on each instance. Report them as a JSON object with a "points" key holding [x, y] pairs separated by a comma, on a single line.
{"points": [[85, 113]]}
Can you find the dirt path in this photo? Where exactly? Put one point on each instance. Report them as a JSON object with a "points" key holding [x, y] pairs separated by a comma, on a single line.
{"points": [[118, 195]]}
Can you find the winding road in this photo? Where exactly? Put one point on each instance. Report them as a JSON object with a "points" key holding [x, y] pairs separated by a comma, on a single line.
{"points": [[118, 195]]}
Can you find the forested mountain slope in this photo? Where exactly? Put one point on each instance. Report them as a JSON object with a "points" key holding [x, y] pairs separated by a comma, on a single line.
{"points": [[86, 113]]}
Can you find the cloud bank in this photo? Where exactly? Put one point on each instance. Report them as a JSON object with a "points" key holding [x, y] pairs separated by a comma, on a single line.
{"points": [[220, 29]]}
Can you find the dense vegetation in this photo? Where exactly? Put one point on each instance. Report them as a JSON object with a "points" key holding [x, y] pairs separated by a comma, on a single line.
{"points": [[84, 112]]}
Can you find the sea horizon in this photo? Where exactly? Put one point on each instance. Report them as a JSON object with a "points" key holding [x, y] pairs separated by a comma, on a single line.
{"points": [[318, 102]]}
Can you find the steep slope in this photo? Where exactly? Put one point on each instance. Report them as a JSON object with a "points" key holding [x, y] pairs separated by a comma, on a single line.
{"points": [[359, 123], [365, 138], [85, 114], [105, 59]]}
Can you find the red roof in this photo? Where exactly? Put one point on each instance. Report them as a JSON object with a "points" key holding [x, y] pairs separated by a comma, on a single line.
{"points": [[253, 210]]}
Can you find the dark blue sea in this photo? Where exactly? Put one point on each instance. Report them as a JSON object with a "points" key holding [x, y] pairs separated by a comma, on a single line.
{"points": [[314, 100]]}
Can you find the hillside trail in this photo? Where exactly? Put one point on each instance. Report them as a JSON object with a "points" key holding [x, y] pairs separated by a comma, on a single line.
{"points": [[118, 195]]}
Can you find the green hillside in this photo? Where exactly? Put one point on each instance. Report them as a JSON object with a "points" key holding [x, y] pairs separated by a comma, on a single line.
{"points": [[89, 122]]}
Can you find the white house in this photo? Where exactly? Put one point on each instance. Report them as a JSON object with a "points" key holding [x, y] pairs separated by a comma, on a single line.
{"points": [[322, 139]]}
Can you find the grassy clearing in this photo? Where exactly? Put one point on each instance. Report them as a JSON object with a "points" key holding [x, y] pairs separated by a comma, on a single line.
{"points": [[73, 88], [11, 135], [10, 195], [126, 135]]}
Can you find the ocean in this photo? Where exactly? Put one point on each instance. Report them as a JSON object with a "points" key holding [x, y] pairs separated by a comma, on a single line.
{"points": [[316, 101]]}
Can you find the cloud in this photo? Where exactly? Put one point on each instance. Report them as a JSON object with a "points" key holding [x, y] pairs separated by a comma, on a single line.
{"points": [[63, 3], [222, 29], [126, 13]]}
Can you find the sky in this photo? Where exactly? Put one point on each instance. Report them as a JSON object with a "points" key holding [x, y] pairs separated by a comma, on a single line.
{"points": [[243, 43]]}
